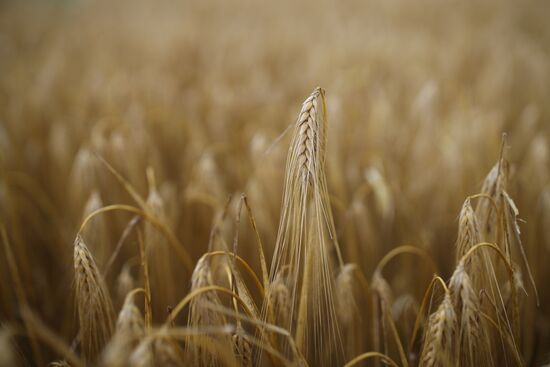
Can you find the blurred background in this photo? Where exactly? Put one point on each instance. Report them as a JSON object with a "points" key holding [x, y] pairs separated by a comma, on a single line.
{"points": [[418, 96]]}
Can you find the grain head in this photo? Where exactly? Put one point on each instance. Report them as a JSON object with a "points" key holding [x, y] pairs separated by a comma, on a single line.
{"points": [[95, 310], [306, 244]]}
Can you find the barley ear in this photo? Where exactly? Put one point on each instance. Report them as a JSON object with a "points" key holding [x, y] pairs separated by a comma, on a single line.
{"points": [[95, 309], [306, 243]]}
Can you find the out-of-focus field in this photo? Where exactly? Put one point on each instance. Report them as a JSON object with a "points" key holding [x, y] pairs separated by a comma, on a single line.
{"points": [[191, 102]]}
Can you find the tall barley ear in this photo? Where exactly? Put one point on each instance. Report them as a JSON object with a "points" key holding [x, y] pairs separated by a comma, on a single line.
{"points": [[499, 219], [437, 349], [306, 242], [499, 216], [95, 309], [498, 223]]}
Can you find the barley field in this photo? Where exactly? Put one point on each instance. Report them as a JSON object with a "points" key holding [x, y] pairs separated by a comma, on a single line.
{"points": [[284, 183]]}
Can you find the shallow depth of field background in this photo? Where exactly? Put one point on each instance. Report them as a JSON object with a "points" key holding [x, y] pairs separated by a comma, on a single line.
{"points": [[418, 96]]}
